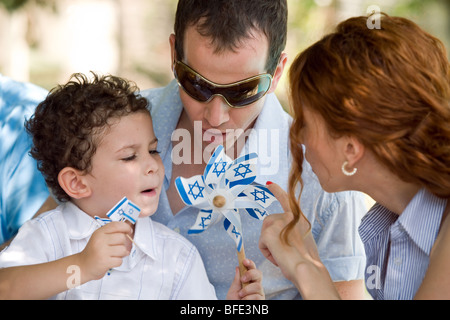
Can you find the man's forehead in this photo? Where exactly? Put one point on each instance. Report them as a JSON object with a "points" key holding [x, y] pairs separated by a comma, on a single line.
{"points": [[222, 43], [255, 41]]}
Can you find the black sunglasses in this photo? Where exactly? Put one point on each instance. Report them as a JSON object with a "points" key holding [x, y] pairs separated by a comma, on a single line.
{"points": [[237, 94]]}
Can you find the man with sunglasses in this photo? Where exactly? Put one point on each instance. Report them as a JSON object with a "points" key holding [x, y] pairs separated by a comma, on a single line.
{"points": [[227, 60]]}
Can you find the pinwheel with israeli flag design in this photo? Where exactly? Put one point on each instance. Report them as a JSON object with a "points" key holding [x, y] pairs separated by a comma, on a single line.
{"points": [[227, 189]]}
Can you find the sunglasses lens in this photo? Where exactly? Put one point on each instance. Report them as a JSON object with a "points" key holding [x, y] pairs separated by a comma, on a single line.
{"points": [[238, 95], [246, 93], [193, 85]]}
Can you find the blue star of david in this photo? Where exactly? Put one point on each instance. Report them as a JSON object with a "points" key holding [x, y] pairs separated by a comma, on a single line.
{"points": [[242, 174], [262, 213], [221, 162], [263, 198], [199, 193], [205, 221], [234, 231]]}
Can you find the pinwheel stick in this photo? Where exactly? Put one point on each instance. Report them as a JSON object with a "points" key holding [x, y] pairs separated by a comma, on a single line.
{"points": [[241, 258], [227, 187], [219, 202]]}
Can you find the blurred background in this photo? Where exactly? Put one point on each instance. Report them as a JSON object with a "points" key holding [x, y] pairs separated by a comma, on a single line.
{"points": [[45, 41]]}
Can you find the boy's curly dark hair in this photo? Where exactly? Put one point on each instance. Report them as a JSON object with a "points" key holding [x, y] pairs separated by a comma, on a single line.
{"points": [[65, 125]]}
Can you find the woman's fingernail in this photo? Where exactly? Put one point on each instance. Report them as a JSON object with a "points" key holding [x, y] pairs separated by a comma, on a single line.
{"points": [[268, 183]]}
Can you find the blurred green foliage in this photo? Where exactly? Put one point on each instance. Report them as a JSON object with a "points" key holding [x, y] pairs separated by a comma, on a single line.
{"points": [[13, 5]]}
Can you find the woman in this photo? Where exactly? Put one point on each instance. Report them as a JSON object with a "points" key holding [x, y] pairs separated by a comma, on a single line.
{"points": [[372, 109]]}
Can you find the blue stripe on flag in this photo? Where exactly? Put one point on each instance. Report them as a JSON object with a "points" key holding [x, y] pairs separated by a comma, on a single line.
{"points": [[134, 206], [242, 181], [117, 206], [233, 233], [212, 160], [182, 191]]}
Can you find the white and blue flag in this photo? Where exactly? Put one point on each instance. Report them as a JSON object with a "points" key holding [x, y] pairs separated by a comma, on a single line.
{"points": [[124, 210]]}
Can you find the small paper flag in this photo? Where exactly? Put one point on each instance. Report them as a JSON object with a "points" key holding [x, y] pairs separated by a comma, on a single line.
{"points": [[124, 210]]}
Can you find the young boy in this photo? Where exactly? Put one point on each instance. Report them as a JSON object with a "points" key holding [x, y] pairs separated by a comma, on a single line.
{"points": [[94, 143]]}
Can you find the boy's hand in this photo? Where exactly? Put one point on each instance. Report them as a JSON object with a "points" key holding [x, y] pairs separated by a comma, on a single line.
{"points": [[106, 248], [253, 290]]}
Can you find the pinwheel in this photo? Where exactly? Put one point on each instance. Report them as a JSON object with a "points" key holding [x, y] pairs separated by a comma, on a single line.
{"points": [[227, 189]]}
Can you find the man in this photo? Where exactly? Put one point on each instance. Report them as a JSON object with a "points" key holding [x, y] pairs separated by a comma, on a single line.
{"points": [[237, 43]]}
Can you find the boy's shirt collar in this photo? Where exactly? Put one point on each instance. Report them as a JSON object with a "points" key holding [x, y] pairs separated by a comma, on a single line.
{"points": [[79, 224]]}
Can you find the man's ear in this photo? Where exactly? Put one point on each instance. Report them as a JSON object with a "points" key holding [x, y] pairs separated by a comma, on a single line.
{"points": [[278, 71], [353, 151], [73, 182], [173, 52]]}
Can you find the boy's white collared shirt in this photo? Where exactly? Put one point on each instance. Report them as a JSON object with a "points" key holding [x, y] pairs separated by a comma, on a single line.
{"points": [[161, 265]]}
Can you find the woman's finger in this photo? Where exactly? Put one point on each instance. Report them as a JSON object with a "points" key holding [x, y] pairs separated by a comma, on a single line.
{"points": [[280, 194]]}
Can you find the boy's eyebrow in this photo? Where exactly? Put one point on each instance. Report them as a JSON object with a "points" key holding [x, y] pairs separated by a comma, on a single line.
{"points": [[132, 146]]}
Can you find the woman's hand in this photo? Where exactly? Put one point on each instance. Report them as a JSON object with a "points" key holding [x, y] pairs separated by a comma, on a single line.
{"points": [[298, 259]]}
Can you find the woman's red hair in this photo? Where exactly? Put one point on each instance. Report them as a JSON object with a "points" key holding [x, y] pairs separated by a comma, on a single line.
{"points": [[388, 87]]}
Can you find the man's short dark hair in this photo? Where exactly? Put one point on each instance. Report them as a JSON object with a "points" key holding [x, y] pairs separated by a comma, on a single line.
{"points": [[228, 22]]}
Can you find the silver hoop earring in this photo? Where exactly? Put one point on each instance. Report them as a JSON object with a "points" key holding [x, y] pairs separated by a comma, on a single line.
{"points": [[347, 173]]}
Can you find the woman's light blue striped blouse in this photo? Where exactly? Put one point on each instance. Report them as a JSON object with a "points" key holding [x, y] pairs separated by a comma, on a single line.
{"points": [[398, 246]]}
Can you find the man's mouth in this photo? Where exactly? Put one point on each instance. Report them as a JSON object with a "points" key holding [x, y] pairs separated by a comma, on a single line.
{"points": [[214, 136]]}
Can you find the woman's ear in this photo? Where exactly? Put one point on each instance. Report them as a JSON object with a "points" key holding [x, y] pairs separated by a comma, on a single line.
{"points": [[73, 182], [278, 72], [353, 151]]}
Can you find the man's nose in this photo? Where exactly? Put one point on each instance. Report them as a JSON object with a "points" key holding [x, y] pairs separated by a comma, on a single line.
{"points": [[217, 111]]}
